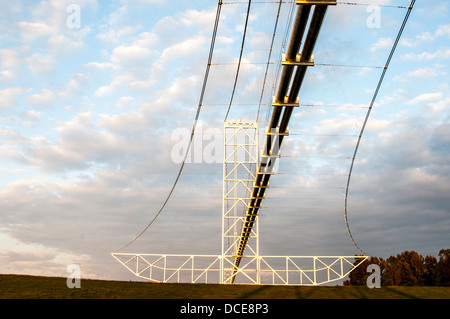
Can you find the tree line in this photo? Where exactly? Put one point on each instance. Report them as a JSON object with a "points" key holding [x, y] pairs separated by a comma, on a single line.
{"points": [[406, 269]]}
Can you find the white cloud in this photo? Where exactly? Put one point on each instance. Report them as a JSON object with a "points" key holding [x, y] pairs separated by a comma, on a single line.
{"points": [[61, 45], [123, 123], [125, 101], [440, 54], [138, 63], [36, 259], [40, 64], [9, 97], [10, 64], [33, 30], [114, 31], [427, 97], [117, 81], [31, 115], [173, 29], [338, 125], [443, 31], [423, 73], [74, 86], [118, 35], [100, 65], [29, 118], [42, 99], [438, 106], [9, 59], [131, 55], [81, 143], [203, 19], [186, 47], [427, 37], [407, 42], [117, 16], [381, 44]]}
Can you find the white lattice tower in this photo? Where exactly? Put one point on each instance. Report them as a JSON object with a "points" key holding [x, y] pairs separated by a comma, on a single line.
{"points": [[239, 173]]}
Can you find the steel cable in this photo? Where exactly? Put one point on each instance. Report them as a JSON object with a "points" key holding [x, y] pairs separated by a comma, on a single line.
{"points": [[240, 58], [202, 94], [268, 61], [374, 97]]}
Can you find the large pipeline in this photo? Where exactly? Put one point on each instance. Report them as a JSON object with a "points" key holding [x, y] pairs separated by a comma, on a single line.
{"points": [[288, 88]]}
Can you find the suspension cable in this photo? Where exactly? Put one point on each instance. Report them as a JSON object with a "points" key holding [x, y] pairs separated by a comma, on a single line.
{"points": [[202, 94], [268, 61], [240, 58], [367, 117]]}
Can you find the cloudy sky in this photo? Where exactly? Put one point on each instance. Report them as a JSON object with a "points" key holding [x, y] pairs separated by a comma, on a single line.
{"points": [[96, 97]]}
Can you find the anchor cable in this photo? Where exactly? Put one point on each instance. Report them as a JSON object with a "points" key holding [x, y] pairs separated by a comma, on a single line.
{"points": [[374, 97], [200, 104]]}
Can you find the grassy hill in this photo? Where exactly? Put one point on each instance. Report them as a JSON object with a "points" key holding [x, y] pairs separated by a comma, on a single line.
{"points": [[31, 287]]}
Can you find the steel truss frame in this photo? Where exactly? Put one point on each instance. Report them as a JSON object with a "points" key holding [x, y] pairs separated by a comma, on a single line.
{"points": [[239, 173], [267, 270]]}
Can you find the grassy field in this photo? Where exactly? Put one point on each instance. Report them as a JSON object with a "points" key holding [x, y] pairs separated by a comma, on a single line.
{"points": [[31, 287]]}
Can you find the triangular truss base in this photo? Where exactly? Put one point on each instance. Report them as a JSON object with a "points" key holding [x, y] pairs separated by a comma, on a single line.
{"points": [[267, 270]]}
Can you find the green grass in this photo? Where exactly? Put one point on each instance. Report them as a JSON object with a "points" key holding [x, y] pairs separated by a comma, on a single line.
{"points": [[31, 287]]}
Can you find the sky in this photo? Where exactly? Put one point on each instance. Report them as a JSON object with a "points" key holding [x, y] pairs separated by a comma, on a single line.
{"points": [[98, 98]]}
